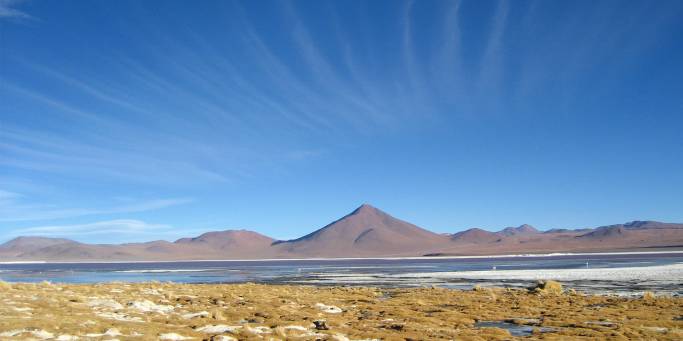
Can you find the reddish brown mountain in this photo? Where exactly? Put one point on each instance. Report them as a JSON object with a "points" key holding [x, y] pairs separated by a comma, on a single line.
{"points": [[520, 230], [26, 244], [646, 225], [365, 232], [643, 235], [475, 236], [604, 233], [229, 239], [229, 244]]}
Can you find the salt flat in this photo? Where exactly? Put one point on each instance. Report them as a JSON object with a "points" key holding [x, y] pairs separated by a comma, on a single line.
{"points": [[661, 272]]}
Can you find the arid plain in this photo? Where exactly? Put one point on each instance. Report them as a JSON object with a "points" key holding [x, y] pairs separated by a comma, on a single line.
{"points": [[167, 311]]}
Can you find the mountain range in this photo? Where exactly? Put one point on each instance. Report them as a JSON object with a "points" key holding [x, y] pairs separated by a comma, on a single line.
{"points": [[365, 232]]}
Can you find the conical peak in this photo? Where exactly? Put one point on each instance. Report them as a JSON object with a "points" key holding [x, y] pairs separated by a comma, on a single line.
{"points": [[366, 208]]}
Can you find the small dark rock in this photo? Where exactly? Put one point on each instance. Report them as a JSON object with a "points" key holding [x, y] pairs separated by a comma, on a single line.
{"points": [[320, 325], [365, 314]]}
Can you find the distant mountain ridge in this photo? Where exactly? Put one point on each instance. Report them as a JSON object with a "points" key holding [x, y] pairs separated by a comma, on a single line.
{"points": [[475, 235], [365, 232], [229, 238], [522, 229]]}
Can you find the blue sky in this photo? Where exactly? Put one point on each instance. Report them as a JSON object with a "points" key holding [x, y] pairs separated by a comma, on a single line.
{"points": [[140, 120]]}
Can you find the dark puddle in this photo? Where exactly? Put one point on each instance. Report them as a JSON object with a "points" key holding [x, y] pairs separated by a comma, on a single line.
{"points": [[514, 329]]}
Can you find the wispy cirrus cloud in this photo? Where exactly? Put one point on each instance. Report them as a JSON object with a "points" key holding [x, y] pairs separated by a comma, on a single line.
{"points": [[125, 226], [108, 231], [213, 118], [18, 207], [203, 100], [8, 10], [7, 195]]}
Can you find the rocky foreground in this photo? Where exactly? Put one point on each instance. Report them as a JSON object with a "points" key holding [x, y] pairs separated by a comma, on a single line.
{"points": [[166, 311]]}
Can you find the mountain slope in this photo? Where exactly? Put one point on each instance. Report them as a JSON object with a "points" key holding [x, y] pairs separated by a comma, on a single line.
{"points": [[365, 232], [645, 225], [229, 239], [229, 244], [526, 239], [520, 230], [475, 236], [232, 243], [21, 245]]}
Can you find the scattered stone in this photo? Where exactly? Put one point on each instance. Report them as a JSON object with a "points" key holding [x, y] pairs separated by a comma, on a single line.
{"points": [[300, 328], [149, 306], [547, 287], [222, 338], [173, 336], [193, 315], [105, 303], [119, 316], [38, 333], [113, 332], [321, 325], [11, 333], [42, 334], [217, 315], [218, 328], [330, 309], [258, 330], [396, 326]]}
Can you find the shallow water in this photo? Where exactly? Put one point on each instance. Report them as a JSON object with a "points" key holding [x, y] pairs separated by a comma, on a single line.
{"points": [[377, 272], [514, 329]]}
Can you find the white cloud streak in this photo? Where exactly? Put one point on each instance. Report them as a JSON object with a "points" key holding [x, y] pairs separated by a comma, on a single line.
{"points": [[491, 70], [8, 10], [188, 109], [17, 207], [122, 226]]}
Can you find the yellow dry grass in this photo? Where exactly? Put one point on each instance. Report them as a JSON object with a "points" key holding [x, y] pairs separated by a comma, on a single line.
{"points": [[148, 311]]}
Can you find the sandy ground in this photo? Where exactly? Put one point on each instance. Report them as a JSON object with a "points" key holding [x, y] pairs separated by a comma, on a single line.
{"points": [[165, 311]]}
